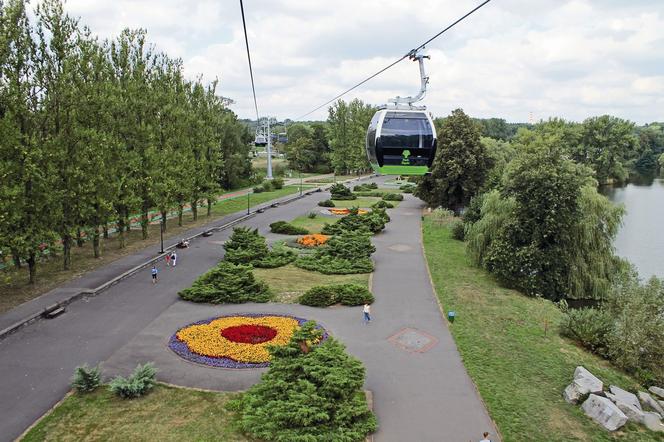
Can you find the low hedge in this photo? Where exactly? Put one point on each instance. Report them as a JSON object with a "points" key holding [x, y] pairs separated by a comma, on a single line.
{"points": [[373, 193], [343, 197], [330, 265], [382, 205], [347, 253], [345, 294], [393, 197], [286, 228], [372, 222], [326, 203], [367, 187]]}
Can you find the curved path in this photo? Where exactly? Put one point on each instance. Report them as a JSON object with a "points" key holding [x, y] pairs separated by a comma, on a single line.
{"points": [[421, 390]]}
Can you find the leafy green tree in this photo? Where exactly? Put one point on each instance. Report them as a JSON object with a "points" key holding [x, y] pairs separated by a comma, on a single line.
{"points": [[312, 392], [500, 153], [347, 123], [460, 167], [607, 143]]}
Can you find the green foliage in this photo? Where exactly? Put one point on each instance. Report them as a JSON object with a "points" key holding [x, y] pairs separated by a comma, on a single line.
{"points": [[501, 153], [310, 393], [347, 126], [346, 253], [373, 193], [458, 232], [278, 183], [327, 295], [312, 215], [285, 228], [408, 188], [278, 257], [258, 189], [365, 187], [382, 205], [627, 327], [341, 192], [141, 381], [460, 167], [267, 186], [245, 246], [372, 222], [393, 197], [86, 378], [326, 203], [227, 283]]}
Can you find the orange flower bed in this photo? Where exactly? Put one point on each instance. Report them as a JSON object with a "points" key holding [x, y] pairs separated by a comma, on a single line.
{"points": [[313, 240], [345, 211]]}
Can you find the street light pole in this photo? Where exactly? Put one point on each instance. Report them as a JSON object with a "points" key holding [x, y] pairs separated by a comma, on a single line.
{"points": [[300, 173], [248, 193], [161, 234]]}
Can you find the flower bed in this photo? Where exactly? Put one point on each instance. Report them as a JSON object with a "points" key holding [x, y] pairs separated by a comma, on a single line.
{"points": [[238, 341], [344, 211], [312, 240]]}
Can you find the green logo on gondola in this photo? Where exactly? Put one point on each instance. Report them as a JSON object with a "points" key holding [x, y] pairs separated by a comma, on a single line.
{"points": [[406, 154]]}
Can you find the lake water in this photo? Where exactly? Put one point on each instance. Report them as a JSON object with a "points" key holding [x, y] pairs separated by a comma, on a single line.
{"points": [[641, 238]]}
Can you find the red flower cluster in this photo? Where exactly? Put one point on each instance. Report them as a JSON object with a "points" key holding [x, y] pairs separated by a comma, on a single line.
{"points": [[249, 334]]}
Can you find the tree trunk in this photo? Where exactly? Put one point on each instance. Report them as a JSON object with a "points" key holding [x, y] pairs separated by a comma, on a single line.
{"points": [[95, 242], [16, 258], [32, 267], [106, 231], [163, 220], [79, 238], [209, 206], [180, 210], [194, 209], [121, 231], [66, 251]]}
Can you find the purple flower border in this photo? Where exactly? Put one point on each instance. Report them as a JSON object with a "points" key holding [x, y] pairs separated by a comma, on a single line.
{"points": [[181, 349]]}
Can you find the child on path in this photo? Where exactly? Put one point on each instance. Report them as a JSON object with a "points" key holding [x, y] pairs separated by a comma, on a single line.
{"points": [[367, 313], [486, 437], [168, 259], [154, 274], [174, 258]]}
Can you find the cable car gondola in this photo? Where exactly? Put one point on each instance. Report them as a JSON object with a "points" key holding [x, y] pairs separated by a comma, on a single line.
{"points": [[401, 138]]}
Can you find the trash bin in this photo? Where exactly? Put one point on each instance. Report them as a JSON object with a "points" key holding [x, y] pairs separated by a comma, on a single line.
{"points": [[450, 316]]}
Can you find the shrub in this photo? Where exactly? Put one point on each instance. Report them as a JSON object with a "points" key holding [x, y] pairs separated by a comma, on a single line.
{"points": [[326, 203], [278, 183], [312, 215], [341, 192], [258, 189], [329, 265], [372, 222], [138, 384], [589, 327], [245, 246], [277, 257], [458, 231], [346, 253], [286, 228], [382, 205], [374, 193], [327, 295], [310, 393], [408, 187], [366, 187], [86, 378], [267, 186], [227, 283], [393, 197]]}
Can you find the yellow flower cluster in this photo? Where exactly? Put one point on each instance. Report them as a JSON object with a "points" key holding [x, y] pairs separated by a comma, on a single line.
{"points": [[206, 339]]}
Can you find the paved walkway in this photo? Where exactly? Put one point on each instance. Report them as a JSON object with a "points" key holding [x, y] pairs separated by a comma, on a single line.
{"points": [[419, 395]]}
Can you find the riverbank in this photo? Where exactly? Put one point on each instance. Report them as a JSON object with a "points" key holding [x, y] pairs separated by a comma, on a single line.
{"points": [[520, 371]]}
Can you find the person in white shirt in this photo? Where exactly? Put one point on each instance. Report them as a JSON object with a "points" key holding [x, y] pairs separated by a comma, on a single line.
{"points": [[367, 313], [485, 437]]}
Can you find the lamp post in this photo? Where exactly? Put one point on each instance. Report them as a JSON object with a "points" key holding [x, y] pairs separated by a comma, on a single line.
{"points": [[300, 173], [248, 193], [161, 234]]}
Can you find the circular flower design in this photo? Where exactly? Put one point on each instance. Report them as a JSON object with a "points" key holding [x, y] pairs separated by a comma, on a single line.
{"points": [[239, 341]]}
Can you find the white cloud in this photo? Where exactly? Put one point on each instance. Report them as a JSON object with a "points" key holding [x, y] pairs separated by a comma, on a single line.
{"points": [[571, 59]]}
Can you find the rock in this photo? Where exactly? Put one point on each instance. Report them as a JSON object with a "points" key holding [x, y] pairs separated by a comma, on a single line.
{"points": [[604, 412], [625, 396], [633, 413], [652, 421], [584, 382], [651, 403], [657, 391]]}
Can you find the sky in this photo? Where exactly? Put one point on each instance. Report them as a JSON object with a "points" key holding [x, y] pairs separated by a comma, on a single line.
{"points": [[513, 59]]}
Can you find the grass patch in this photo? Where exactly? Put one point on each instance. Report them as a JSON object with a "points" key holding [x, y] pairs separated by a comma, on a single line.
{"points": [[519, 371], [14, 284], [313, 225], [289, 282], [166, 414]]}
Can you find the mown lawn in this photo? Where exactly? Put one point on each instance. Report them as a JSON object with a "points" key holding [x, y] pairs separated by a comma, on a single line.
{"points": [[519, 371], [313, 225], [14, 284], [165, 414], [289, 282]]}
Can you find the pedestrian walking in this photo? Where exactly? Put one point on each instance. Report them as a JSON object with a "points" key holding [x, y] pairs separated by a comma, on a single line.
{"points": [[367, 313], [168, 259], [174, 258], [154, 274], [485, 437]]}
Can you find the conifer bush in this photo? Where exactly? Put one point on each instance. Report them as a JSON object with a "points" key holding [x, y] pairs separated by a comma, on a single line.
{"points": [[247, 246], [341, 192], [347, 253], [278, 183], [285, 228], [310, 393], [326, 203], [141, 381], [227, 283], [345, 294], [393, 197], [86, 379], [382, 205], [372, 222]]}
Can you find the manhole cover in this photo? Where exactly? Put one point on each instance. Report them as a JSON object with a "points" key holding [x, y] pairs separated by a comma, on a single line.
{"points": [[400, 247], [413, 340]]}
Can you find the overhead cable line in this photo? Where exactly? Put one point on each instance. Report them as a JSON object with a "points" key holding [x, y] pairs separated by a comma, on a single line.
{"points": [[407, 55], [251, 72]]}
